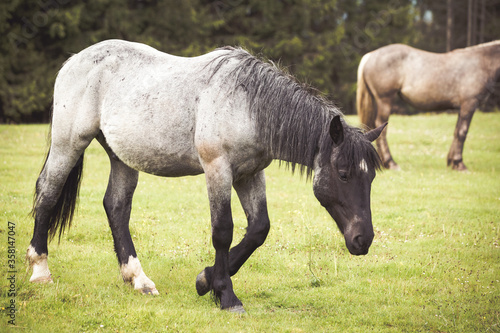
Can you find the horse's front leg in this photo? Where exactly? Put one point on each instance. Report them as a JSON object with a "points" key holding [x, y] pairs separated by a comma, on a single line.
{"points": [[216, 278], [118, 204], [455, 157], [252, 195]]}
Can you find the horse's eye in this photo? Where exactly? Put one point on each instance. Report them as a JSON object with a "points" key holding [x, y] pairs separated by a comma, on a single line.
{"points": [[343, 175]]}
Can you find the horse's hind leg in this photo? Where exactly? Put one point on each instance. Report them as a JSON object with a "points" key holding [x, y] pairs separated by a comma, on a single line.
{"points": [[252, 195], [55, 200], [118, 205], [384, 106], [455, 157]]}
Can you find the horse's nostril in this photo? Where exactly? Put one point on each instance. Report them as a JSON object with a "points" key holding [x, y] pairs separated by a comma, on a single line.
{"points": [[359, 245], [358, 241]]}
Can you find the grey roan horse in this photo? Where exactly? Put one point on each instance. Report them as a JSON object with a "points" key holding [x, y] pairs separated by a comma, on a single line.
{"points": [[226, 114], [460, 79]]}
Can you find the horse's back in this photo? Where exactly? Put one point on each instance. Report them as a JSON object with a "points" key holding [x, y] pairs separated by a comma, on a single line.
{"points": [[157, 112], [427, 80], [103, 76]]}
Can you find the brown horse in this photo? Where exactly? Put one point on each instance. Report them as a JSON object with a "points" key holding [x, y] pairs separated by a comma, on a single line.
{"points": [[460, 79]]}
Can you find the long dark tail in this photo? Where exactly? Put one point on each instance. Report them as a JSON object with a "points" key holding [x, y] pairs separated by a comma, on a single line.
{"points": [[367, 110], [61, 215]]}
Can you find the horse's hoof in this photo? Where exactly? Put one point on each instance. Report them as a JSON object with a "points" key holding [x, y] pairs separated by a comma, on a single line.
{"points": [[43, 279], [460, 166], [202, 285], [149, 291], [237, 309], [457, 165], [391, 165]]}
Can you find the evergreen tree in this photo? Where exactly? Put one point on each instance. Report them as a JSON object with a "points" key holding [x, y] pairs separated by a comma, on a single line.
{"points": [[319, 41]]}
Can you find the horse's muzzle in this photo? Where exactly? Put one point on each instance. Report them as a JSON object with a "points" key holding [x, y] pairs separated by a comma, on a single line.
{"points": [[359, 243]]}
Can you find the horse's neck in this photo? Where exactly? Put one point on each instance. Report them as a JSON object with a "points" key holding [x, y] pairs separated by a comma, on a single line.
{"points": [[299, 142], [287, 146]]}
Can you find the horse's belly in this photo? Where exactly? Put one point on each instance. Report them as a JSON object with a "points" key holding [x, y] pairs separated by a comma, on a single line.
{"points": [[169, 167], [161, 163], [429, 98], [148, 149]]}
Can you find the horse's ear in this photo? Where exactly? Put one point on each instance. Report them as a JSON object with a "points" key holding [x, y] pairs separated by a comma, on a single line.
{"points": [[337, 130], [375, 133]]}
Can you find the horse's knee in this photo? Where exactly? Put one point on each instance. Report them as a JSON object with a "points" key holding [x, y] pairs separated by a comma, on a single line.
{"points": [[222, 230], [257, 234], [222, 237]]}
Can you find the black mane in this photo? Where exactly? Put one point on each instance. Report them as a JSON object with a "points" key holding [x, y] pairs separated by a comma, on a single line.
{"points": [[291, 117]]}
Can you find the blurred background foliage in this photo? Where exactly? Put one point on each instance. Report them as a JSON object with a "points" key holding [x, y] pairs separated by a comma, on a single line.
{"points": [[318, 41]]}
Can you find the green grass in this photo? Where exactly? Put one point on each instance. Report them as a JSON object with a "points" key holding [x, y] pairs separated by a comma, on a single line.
{"points": [[433, 266]]}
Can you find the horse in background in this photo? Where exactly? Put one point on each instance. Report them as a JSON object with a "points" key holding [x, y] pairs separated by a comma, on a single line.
{"points": [[460, 79]]}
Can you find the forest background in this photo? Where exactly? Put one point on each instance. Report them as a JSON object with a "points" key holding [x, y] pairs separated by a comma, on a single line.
{"points": [[318, 41]]}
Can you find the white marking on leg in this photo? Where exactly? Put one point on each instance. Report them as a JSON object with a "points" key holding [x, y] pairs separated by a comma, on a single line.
{"points": [[132, 272], [363, 166], [40, 266]]}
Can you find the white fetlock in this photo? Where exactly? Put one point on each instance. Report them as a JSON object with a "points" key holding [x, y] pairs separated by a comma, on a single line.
{"points": [[237, 309], [132, 272], [41, 273]]}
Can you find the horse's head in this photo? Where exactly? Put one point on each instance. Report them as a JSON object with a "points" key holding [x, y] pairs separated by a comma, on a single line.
{"points": [[342, 182]]}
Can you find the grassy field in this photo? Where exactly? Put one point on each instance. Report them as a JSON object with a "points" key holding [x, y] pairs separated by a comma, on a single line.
{"points": [[433, 266]]}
